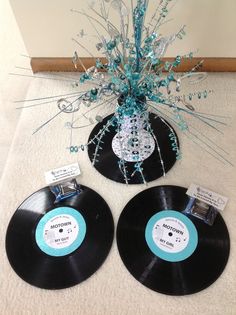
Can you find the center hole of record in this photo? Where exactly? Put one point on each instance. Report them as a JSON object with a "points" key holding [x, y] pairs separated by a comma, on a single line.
{"points": [[170, 234], [61, 230]]}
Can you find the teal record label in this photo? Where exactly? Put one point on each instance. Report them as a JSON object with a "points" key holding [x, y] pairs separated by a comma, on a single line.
{"points": [[171, 235], [60, 231]]}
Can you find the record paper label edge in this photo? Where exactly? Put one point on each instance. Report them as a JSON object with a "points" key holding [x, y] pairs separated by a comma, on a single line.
{"points": [[60, 231], [171, 235]]}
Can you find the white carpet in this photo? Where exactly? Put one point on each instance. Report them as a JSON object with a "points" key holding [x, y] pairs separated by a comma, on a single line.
{"points": [[112, 290], [11, 87]]}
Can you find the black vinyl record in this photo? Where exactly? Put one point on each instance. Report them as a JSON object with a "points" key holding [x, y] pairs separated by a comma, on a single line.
{"points": [[55, 246], [107, 161], [149, 228]]}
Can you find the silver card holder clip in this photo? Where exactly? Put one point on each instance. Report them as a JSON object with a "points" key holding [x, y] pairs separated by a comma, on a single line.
{"points": [[201, 210], [65, 190]]}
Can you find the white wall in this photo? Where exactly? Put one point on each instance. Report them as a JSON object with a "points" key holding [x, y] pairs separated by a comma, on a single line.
{"points": [[47, 27]]}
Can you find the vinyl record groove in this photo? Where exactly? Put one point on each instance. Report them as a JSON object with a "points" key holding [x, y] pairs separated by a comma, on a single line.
{"points": [[107, 161], [151, 233], [57, 246]]}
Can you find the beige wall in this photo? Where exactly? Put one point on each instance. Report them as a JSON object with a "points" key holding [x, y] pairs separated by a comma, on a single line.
{"points": [[47, 27]]}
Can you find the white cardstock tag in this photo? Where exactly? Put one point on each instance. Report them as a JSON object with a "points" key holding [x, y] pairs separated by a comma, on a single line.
{"points": [[207, 196], [62, 174]]}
